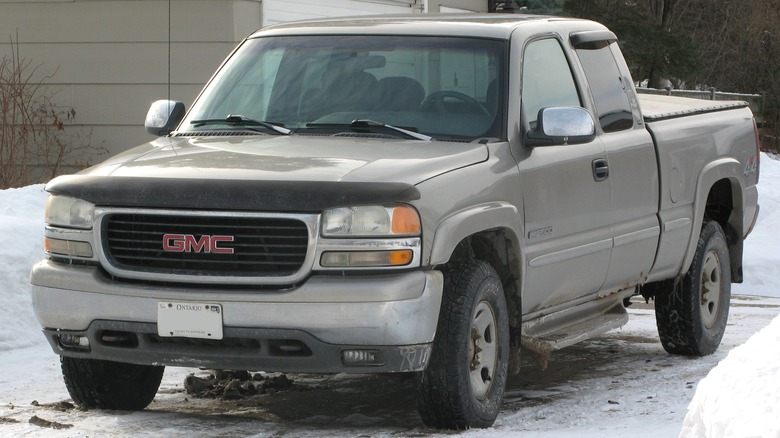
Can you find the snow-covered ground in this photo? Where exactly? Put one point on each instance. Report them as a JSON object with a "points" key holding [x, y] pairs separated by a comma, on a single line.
{"points": [[619, 384]]}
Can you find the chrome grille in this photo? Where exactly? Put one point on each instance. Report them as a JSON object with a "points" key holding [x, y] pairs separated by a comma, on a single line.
{"points": [[261, 246]]}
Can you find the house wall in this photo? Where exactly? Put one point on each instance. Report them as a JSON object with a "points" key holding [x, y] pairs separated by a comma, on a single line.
{"points": [[279, 11], [108, 59], [449, 6]]}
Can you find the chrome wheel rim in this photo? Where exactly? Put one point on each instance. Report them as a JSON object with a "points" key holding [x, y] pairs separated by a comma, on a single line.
{"points": [[710, 289], [483, 351]]}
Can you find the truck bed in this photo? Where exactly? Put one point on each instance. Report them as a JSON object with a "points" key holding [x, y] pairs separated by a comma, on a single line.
{"points": [[656, 107]]}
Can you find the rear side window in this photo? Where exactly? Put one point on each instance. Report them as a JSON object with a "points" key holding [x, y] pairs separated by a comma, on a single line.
{"points": [[547, 79], [608, 87]]}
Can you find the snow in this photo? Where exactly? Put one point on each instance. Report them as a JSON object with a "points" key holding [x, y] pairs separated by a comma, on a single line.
{"points": [[21, 231], [762, 257], [740, 396], [619, 384]]}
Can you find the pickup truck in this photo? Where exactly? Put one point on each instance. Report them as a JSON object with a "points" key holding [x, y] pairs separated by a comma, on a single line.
{"points": [[416, 194]]}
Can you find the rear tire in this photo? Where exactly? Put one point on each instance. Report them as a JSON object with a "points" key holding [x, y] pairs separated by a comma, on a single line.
{"points": [[110, 385], [692, 316], [463, 385]]}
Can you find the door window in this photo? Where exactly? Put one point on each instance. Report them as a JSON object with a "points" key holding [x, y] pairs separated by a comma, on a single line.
{"points": [[547, 79]]}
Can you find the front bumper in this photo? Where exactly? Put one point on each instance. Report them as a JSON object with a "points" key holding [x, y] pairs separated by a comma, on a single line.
{"points": [[304, 329]]}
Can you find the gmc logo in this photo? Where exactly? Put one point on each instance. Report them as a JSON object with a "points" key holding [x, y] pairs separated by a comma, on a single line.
{"points": [[189, 243]]}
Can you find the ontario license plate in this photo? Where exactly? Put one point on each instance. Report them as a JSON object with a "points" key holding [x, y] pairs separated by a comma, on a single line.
{"points": [[189, 320]]}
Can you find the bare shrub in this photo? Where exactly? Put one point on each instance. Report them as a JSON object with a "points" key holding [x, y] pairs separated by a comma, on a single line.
{"points": [[37, 137]]}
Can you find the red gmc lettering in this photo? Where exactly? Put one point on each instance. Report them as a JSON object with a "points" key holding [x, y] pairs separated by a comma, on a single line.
{"points": [[189, 243], [215, 241]]}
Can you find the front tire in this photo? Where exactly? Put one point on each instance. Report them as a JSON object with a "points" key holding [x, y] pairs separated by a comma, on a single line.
{"points": [[110, 385], [692, 315], [463, 385]]}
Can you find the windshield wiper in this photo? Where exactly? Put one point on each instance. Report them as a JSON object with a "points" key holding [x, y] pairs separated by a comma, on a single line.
{"points": [[239, 120], [366, 124], [359, 123]]}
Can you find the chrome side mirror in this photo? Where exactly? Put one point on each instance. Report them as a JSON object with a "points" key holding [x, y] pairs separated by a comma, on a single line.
{"points": [[163, 117], [561, 126]]}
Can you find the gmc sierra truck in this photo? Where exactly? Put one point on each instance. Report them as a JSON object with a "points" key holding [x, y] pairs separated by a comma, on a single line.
{"points": [[421, 194]]}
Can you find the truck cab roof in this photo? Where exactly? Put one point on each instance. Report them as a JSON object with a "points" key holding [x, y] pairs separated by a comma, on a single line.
{"points": [[498, 26]]}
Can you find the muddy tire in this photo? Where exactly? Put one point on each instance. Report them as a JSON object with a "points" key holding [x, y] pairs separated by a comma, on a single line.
{"points": [[110, 385], [692, 315], [463, 385]]}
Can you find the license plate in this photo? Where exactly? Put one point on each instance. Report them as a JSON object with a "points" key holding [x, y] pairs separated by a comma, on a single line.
{"points": [[189, 320]]}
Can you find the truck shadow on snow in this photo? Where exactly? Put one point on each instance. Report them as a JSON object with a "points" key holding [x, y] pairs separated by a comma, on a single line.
{"points": [[596, 375], [342, 401]]}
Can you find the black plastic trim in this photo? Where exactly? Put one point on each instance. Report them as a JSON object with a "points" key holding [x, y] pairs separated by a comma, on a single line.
{"points": [[234, 195], [242, 349], [716, 107], [592, 39]]}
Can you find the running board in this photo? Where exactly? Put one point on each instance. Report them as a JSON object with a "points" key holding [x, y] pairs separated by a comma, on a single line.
{"points": [[546, 342]]}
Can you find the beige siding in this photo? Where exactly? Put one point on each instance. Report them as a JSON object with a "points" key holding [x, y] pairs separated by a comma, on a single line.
{"points": [[278, 11], [449, 6], [110, 58]]}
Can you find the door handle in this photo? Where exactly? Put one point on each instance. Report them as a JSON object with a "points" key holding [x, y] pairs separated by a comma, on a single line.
{"points": [[600, 169]]}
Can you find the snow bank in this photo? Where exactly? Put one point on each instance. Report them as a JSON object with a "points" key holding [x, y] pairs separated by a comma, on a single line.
{"points": [[762, 257], [740, 396], [21, 234]]}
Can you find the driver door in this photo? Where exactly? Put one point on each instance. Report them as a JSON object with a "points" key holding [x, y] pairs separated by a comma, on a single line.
{"points": [[566, 206]]}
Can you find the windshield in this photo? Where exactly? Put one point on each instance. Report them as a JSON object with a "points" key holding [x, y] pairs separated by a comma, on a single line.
{"points": [[446, 88]]}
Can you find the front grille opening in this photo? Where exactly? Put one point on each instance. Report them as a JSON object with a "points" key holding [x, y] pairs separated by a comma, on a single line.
{"points": [[244, 343], [113, 338], [289, 347], [205, 245]]}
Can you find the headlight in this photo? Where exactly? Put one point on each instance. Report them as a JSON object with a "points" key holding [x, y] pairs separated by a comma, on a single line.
{"points": [[371, 221], [64, 211]]}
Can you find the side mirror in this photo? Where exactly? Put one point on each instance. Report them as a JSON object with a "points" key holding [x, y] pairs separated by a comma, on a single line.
{"points": [[163, 117], [561, 126]]}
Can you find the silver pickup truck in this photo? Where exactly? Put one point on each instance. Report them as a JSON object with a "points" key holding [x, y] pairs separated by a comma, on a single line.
{"points": [[419, 194]]}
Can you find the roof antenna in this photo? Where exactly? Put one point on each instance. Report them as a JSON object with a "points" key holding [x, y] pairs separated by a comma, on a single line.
{"points": [[170, 104], [169, 50]]}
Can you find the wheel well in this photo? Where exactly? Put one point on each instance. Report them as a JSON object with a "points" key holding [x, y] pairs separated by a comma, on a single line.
{"points": [[720, 204], [721, 208], [497, 248]]}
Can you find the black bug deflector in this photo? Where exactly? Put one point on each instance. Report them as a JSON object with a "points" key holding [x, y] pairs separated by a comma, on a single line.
{"points": [[236, 195]]}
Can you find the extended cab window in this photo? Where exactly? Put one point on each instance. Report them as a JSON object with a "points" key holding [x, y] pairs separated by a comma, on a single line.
{"points": [[547, 79], [608, 88]]}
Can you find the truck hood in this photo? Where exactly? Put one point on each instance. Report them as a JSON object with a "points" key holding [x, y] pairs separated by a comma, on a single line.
{"points": [[293, 158], [291, 173]]}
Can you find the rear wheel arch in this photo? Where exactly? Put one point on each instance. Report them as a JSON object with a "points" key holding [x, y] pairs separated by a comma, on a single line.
{"points": [[725, 206], [719, 198]]}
